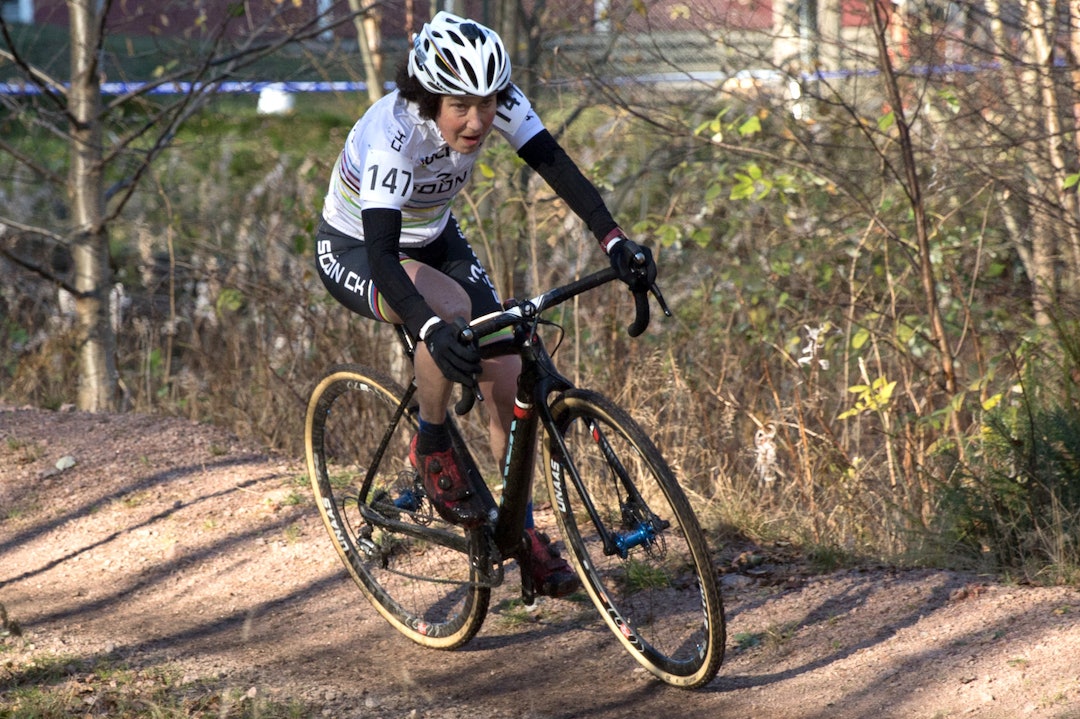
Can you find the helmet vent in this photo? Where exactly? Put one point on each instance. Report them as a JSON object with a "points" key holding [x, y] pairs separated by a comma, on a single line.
{"points": [[471, 32], [454, 56]]}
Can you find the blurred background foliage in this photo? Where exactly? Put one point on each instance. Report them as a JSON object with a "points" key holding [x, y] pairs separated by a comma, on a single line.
{"points": [[800, 390]]}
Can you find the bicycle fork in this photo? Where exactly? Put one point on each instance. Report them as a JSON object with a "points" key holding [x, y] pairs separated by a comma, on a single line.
{"points": [[642, 528]]}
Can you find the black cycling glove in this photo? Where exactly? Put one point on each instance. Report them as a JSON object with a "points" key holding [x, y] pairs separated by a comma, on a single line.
{"points": [[621, 251], [459, 362]]}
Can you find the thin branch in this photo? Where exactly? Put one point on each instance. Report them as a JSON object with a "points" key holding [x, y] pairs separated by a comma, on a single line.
{"points": [[49, 87], [34, 166], [7, 222], [43, 272], [193, 101]]}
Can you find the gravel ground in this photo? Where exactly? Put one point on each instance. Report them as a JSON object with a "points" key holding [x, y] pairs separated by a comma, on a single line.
{"points": [[156, 542]]}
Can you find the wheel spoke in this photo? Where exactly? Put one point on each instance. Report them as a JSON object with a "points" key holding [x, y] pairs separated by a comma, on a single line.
{"points": [[413, 567], [652, 579]]}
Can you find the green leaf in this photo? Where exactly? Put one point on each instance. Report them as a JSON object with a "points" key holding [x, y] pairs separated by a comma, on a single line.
{"points": [[905, 333], [1071, 180], [886, 121], [951, 100], [744, 187], [702, 236], [230, 300], [667, 234], [884, 391], [751, 126], [860, 338]]}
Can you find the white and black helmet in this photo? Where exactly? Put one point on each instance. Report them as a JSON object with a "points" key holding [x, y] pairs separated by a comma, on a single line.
{"points": [[455, 56]]}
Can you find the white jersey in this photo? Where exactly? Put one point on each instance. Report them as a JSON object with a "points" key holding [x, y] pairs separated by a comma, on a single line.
{"points": [[394, 159]]}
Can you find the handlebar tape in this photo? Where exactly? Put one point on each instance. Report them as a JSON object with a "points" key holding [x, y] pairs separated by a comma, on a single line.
{"points": [[641, 314]]}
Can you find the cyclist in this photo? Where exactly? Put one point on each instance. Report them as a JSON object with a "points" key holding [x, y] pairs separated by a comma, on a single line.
{"points": [[389, 248]]}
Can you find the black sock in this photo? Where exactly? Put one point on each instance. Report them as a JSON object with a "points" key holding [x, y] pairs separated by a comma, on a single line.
{"points": [[433, 438]]}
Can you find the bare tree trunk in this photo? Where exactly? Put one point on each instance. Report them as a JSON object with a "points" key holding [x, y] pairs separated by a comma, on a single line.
{"points": [[98, 377], [1043, 268], [1037, 238], [507, 23], [1074, 50], [785, 47], [1051, 193], [830, 41], [913, 188], [516, 216], [369, 38], [87, 123]]}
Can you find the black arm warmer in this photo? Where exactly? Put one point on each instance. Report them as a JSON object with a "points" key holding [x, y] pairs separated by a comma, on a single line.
{"points": [[544, 154], [382, 235]]}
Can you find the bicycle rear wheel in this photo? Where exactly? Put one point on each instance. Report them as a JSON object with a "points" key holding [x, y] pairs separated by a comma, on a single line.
{"points": [[413, 567], [653, 582]]}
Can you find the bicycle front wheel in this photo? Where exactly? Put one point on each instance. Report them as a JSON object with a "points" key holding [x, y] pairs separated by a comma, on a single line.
{"points": [[634, 540], [413, 567]]}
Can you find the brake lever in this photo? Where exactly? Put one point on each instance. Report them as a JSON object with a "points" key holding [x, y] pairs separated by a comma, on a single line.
{"points": [[469, 395], [655, 290], [641, 301]]}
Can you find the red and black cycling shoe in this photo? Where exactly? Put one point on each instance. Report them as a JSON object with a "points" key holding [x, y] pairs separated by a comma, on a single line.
{"points": [[551, 575], [447, 487]]}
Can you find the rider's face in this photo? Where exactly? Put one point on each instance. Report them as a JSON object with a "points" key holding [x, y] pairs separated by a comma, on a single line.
{"points": [[465, 121]]}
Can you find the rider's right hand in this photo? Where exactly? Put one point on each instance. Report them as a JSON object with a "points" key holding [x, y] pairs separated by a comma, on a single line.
{"points": [[458, 361]]}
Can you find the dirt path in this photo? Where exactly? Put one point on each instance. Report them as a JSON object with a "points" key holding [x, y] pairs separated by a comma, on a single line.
{"points": [[170, 544]]}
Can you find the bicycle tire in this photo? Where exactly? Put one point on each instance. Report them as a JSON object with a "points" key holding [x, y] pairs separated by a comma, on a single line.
{"points": [[661, 599], [428, 591]]}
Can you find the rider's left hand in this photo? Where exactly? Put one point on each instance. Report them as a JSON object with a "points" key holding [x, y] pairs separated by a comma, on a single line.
{"points": [[639, 277]]}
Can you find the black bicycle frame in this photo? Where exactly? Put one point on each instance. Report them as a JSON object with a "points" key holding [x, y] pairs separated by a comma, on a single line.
{"points": [[539, 378]]}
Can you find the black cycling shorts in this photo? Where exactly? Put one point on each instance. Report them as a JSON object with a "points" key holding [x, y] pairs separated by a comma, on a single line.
{"points": [[347, 276]]}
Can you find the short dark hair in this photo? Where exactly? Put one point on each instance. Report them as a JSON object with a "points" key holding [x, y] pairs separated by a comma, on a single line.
{"points": [[428, 102], [411, 89]]}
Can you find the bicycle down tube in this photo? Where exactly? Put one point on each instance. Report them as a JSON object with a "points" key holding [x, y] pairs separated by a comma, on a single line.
{"points": [[629, 529]]}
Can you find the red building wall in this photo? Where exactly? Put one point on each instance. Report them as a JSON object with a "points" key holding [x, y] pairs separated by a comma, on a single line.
{"points": [[200, 18]]}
